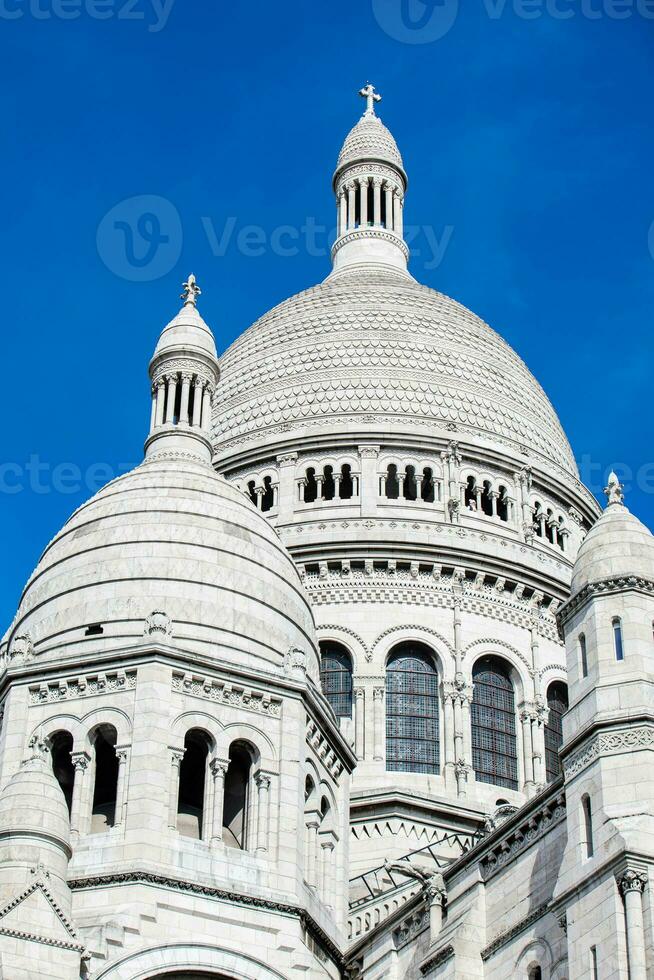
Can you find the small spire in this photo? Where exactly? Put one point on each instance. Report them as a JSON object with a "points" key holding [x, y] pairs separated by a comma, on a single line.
{"points": [[368, 93], [613, 491], [191, 291]]}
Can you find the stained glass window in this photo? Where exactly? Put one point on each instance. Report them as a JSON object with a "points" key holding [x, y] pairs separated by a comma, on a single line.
{"points": [[412, 711], [336, 678], [557, 702], [494, 747]]}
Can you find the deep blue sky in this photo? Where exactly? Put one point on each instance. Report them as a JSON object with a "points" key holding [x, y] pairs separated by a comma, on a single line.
{"points": [[530, 139]]}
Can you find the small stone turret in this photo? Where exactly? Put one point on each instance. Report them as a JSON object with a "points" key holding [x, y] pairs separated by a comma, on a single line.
{"points": [[184, 374], [34, 828]]}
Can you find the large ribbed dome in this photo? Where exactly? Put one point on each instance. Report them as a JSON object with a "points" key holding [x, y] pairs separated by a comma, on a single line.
{"points": [[171, 537], [371, 347]]}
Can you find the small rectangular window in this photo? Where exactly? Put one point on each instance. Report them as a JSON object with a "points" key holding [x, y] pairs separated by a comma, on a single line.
{"points": [[587, 826], [617, 639], [594, 969], [584, 658]]}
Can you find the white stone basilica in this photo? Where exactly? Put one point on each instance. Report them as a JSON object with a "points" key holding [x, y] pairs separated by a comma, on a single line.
{"points": [[351, 677]]}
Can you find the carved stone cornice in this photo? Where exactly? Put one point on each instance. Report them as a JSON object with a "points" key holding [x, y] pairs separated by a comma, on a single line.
{"points": [[208, 891], [442, 956], [605, 586]]}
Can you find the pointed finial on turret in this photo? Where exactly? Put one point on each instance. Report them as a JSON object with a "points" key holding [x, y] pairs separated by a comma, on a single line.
{"points": [[191, 291], [613, 490], [368, 93]]}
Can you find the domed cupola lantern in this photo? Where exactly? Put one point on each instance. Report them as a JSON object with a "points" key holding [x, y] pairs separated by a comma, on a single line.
{"points": [[370, 183], [184, 373]]}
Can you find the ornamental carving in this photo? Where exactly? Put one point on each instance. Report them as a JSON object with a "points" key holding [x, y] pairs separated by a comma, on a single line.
{"points": [[158, 624], [90, 685], [632, 881], [223, 692], [609, 743]]}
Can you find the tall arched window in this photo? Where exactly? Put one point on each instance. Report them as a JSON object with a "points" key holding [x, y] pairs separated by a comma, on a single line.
{"points": [[583, 655], [61, 746], [587, 841], [494, 747], [192, 784], [336, 677], [557, 702], [412, 710], [105, 787], [236, 803], [617, 638]]}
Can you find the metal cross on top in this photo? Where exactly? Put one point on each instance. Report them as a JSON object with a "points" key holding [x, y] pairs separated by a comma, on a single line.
{"points": [[368, 93]]}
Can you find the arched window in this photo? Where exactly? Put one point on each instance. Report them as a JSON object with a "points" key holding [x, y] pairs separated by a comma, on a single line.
{"points": [[310, 486], [346, 484], [539, 519], [617, 638], [587, 826], [328, 483], [237, 796], [392, 482], [412, 710], [336, 678], [268, 498], [494, 746], [192, 784], [535, 973], [583, 655], [103, 814], [471, 495], [557, 702], [61, 746], [427, 486], [503, 504], [410, 484], [486, 499], [252, 493]]}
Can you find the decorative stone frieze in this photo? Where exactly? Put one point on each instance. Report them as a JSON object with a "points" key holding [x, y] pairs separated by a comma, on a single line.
{"points": [[522, 836], [320, 745], [223, 692], [411, 927], [90, 685], [612, 742]]}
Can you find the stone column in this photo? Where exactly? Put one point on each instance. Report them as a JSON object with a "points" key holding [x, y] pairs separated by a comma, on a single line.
{"points": [[313, 823], [263, 790], [153, 413], [369, 489], [197, 402], [448, 734], [363, 198], [172, 394], [78, 814], [206, 408], [388, 192], [327, 853], [632, 884], [397, 212], [218, 769], [527, 750], [376, 198], [287, 494], [161, 400], [259, 492], [121, 787], [186, 391], [173, 798], [435, 892], [359, 721], [378, 717], [342, 212], [351, 204]]}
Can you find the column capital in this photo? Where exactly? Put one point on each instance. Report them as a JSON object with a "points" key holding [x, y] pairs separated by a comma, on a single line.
{"points": [[218, 768], [80, 760], [176, 756], [632, 881], [262, 780], [378, 693], [435, 889]]}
